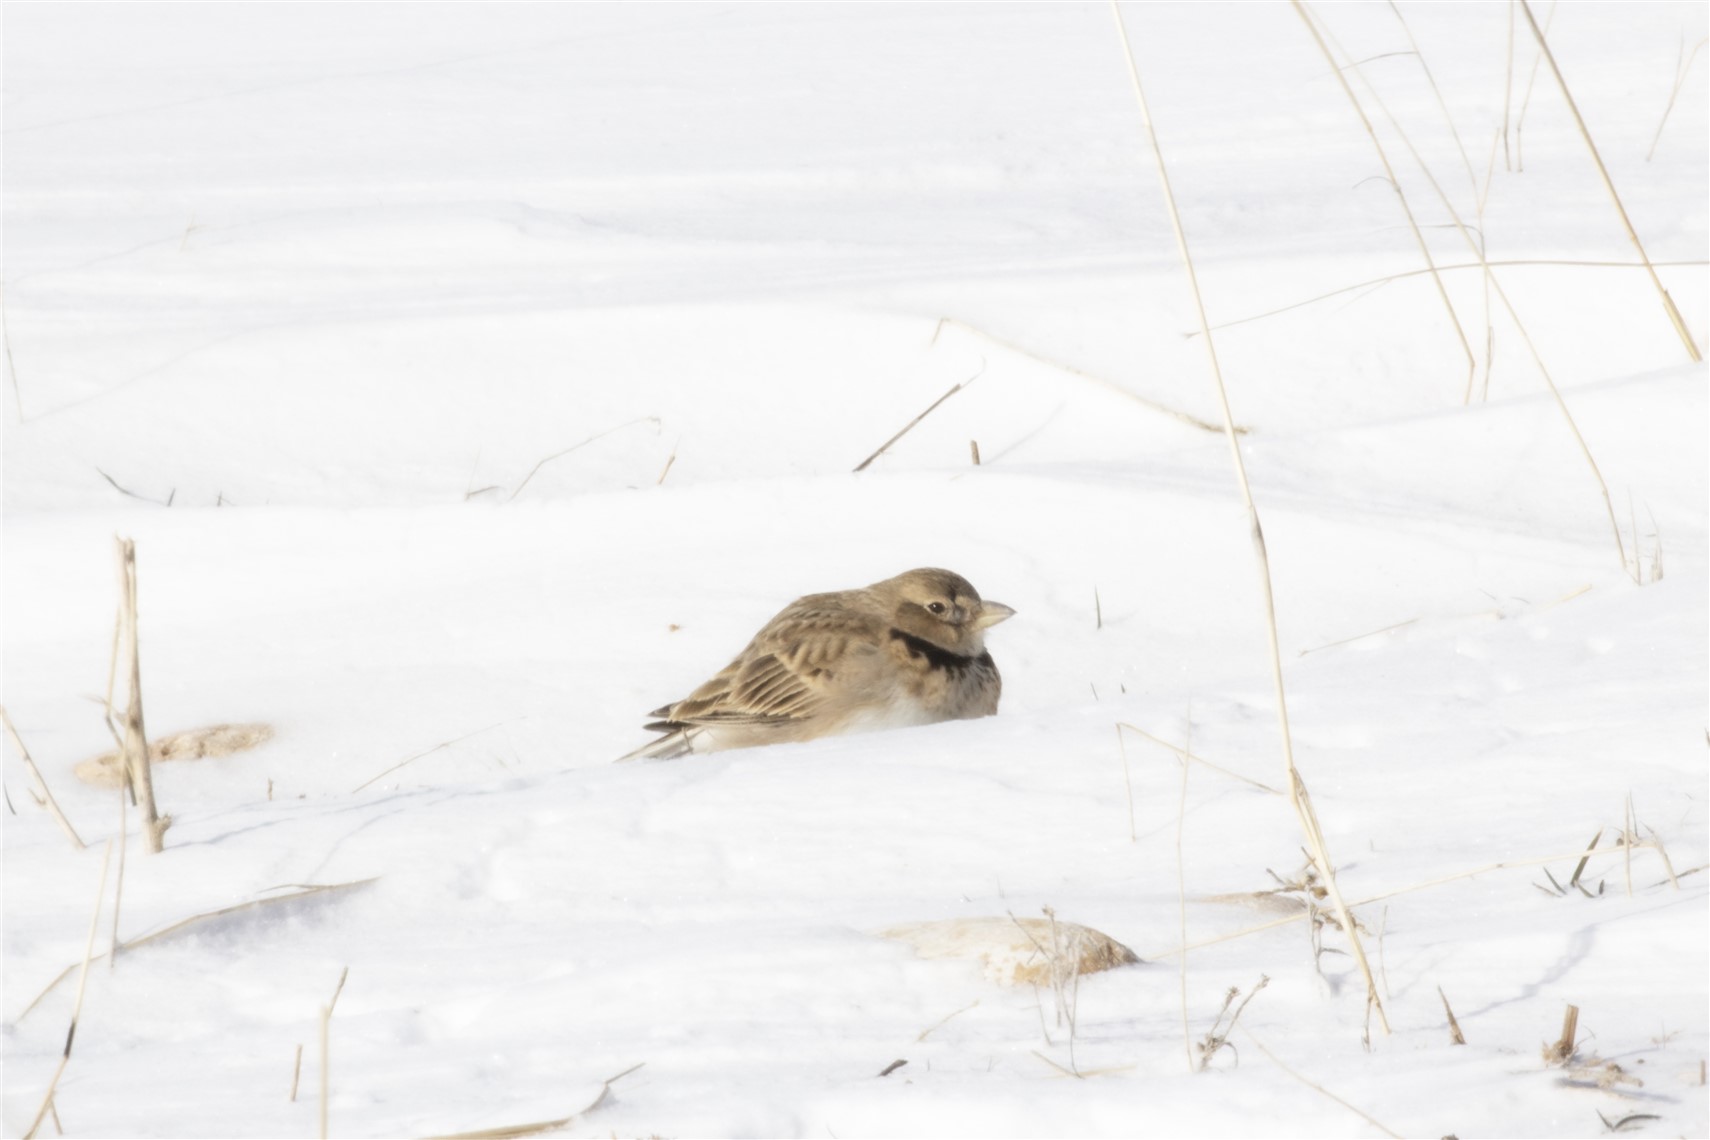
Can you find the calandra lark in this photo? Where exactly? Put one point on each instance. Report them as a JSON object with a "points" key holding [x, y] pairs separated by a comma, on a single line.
{"points": [[909, 650]]}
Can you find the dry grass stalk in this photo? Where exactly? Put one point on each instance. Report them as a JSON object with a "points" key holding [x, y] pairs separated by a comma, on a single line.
{"points": [[1442, 105], [1508, 91], [654, 420], [660, 482], [1217, 1037], [46, 797], [296, 1072], [1511, 263], [908, 427], [1297, 788], [427, 752], [326, 1068], [1683, 65], [1186, 755], [1478, 251], [119, 887], [1531, 79], [136, 739], [1360, 636], [12, 369], [77, 1006], [1316, 1087], [1456, 1037], [1302, 913], [197, 919], [513, 1131], [1173, 413], [1609, 185], [1627, 835], [1562, 1049], [943, 1021], [1181, 907], [1668, 864], [1127, 784], [974, 451], [1395, 184]]}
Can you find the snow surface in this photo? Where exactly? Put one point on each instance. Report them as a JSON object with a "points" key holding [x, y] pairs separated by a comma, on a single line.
{"points": [[335, 281]]}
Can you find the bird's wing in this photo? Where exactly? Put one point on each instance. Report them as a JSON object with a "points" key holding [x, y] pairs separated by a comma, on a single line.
{"points": [[792, 670]]}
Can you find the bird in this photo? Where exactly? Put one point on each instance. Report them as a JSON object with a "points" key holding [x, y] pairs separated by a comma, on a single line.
{"points": [[910, 650]]}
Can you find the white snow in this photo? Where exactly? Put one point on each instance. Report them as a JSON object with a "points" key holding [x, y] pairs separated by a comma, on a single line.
{"points": [[344, 283]]}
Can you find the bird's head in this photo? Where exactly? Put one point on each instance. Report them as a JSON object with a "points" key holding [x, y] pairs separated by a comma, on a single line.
{"points": [[942, 608]]}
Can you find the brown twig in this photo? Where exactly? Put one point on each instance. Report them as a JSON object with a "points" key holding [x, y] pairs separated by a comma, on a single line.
{"points": [[514, 1131], [1297, 788], [908, 427], [1456, 1037], [1609, 184], [136, 739], [77, 1006], [654, 420], [46, 796], [428, 752]]}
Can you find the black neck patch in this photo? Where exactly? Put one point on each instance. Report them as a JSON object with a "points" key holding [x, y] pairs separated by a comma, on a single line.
{"points": [[919, 647]]}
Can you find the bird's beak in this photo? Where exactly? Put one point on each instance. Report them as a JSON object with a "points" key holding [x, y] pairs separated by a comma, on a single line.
{"points": [[991, 613]]}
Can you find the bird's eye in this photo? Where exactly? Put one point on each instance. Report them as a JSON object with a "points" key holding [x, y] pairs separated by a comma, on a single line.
{"points": [[935, 607]]}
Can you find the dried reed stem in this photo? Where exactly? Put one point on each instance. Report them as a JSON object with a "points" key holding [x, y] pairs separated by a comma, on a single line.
{"points": [[1478, 251], [1456, 1037], [1316, 1087], [1186, 755], [1395, 184], [296, 1072], [136, 739], [514, 1131], [1296, 787], [532, 471], [41, 783], [1184, 417], [1406, 273], [1127, 783], [1609, 185], [1181, 907], [908, 427], [77, 1006], [1681, 68], [1442, 104]]}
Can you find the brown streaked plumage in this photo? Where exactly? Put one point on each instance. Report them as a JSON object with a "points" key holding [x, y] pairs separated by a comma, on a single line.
{"points": [[906, 651]]}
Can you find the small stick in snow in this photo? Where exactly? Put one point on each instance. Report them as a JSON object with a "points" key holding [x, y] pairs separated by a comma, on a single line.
{"points": [[119, 887], [1609, 185], [654, 420], [974, 450], [1181, 887], [908, 427], [1680, 72], [893, 1066], [1128, 783], [1456, 1037], [429, 752], [296, 1072], [46, 796], [1361, 1113], [1196, 759], [77, 1006], [513, 1131], [946, 1019], [660, 482], [1561, 1050], [136, 739], [326, 1020]]}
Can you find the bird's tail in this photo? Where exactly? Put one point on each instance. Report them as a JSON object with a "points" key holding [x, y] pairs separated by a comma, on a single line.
{"points": [[673, 744]]}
